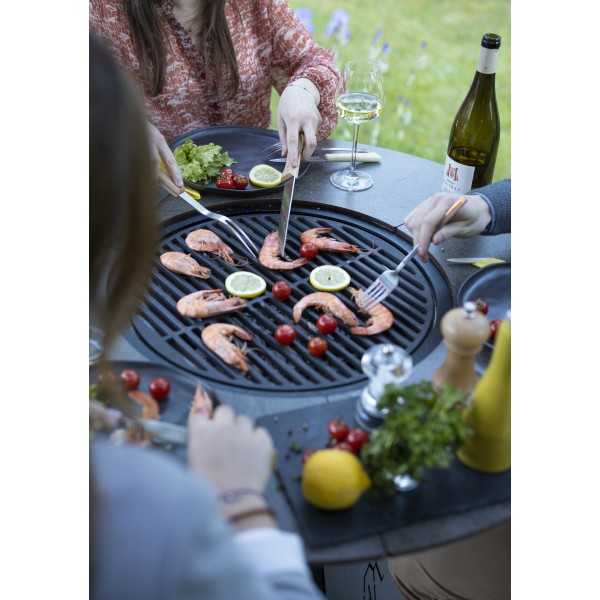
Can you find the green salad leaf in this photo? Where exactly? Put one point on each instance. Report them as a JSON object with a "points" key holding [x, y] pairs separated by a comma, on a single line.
{"points": [[201, 164]]}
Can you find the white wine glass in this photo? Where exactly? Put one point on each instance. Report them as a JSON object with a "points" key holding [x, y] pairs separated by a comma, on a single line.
{"points": [[359, 103]]}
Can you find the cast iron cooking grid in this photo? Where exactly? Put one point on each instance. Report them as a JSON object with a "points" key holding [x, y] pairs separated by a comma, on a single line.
{"points": [[421, 297]]}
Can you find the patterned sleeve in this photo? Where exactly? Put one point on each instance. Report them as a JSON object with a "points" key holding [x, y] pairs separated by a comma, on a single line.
{"points": [[296, 56]]}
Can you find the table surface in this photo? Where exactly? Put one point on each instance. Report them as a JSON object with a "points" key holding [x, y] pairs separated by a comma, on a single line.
{"points": [[401, 182]]}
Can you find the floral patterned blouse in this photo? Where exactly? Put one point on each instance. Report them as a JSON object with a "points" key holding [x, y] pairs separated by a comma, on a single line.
{"points": [[272, 46]]}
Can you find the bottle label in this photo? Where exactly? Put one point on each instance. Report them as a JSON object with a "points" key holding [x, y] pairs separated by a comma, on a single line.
{"points": [[488, 57], [458, 178]]}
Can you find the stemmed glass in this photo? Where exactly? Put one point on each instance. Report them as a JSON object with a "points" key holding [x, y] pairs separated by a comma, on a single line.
{"points": [[361, 102]]}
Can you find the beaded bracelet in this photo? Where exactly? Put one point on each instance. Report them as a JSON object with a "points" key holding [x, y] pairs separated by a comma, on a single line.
{"points": [[254, 512]]}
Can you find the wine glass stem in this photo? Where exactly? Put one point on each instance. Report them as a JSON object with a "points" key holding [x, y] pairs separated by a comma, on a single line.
{"points": [[354, 147]]}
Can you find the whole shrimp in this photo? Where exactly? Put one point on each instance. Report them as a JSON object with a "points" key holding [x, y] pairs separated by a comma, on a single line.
{"points": [[178, 262], [325, 243], [380, 317], [217, 338], [208, 303], [269, 255], [328, 303], [204, 240]]}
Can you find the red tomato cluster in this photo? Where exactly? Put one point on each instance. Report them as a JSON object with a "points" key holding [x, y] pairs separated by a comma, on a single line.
{"points": [[159, 388], [344, 438], [228, 180]]}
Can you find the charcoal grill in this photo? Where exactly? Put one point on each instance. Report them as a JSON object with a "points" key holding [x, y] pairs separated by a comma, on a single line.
{"points": [[159, 331]]}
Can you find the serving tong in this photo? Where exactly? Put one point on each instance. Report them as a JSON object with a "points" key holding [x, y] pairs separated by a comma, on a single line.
{"points": [[239, 233], [387, 282]]}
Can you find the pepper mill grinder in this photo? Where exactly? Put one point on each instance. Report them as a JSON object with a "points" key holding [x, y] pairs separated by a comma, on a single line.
{"points": [[465, 330], [383, 364]]}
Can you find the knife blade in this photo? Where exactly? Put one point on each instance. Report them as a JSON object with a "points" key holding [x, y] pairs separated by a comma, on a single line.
{"points": [[364, 157], [287, 198]]}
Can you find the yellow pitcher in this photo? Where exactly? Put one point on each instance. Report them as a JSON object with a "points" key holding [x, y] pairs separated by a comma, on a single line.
{"points": [[488, 449]]}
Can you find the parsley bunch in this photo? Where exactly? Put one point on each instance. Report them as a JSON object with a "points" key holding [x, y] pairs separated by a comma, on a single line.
{"points": [[422, 430]]}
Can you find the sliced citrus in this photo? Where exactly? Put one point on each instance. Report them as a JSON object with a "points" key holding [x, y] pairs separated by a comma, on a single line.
{"points": [[264, 176], [244, 284], [329, 278]]}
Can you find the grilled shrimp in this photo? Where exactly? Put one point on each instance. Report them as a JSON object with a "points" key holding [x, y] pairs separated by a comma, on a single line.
{"points": [[269, 255], [202, 403], [380, 317], [204, 240], [208, 303], [328, 303], [217, 338], [325, 243], [178, 262]]}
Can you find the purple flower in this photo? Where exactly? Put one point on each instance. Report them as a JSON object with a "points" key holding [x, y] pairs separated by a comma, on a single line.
{"points": [[377, 37], [423, 44], [338, 24], [305, 17], [385, 48]]}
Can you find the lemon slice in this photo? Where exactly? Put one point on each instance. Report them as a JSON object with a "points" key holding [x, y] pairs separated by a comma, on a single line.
{"points": [[486, 262], [328, 278], [265, 176], [244, 284]]}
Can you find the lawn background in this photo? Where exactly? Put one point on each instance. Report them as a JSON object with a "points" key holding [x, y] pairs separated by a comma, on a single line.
{"points": [[430, 50]]}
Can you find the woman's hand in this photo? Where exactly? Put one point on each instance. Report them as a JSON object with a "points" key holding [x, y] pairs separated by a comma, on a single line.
{"points": [[229, 451], [298, 112], [424, 221], [161, 152]]}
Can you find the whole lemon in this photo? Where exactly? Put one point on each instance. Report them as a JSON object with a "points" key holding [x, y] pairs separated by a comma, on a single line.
{"points": [[333, 479]]}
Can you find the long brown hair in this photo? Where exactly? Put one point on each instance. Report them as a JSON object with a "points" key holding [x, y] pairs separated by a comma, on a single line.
{"points": [[147, 31], [123, 195]]}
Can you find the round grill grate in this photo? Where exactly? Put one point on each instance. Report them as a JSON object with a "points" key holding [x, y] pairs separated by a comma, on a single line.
{"points": [[418, 302]]}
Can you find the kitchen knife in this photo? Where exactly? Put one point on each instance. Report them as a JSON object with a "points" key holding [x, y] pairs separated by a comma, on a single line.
{"points": [[289, 177], [363, 157]]}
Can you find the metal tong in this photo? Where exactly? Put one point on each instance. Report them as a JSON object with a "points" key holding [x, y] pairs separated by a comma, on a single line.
{"points": [[239, 233]]}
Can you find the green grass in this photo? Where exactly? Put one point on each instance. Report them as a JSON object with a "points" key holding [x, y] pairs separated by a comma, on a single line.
{"points": [[432, 80]]}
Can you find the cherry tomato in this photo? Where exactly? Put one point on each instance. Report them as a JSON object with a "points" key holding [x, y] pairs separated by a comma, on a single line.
{"points": [[240, 182], [224, 183], [309, 250], [326, 324], [343, 446], [226, 173], [482, 306], [357, 438], [130, 379], [307, 454], [317, 346], [338, 430], [494, 326], [282, 290], [159, 388], [285, 335]]}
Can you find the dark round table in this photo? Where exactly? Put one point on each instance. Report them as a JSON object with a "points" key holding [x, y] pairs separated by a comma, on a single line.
{"points": [[401, 182]]}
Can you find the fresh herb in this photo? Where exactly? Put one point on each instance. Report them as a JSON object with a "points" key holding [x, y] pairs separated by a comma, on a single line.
{"points": [[201, 164], [295, 447], [422, 430]]}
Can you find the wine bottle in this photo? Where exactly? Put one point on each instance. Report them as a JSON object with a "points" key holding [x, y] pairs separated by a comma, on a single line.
{"points": [[475, 133]]}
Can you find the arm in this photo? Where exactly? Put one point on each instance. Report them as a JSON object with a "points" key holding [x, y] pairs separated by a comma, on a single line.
{"points": [[297, 57], [497, 197]]}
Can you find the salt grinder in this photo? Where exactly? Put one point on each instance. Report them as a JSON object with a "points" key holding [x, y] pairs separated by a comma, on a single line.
{"points": [[383, 364], [465, 330]]}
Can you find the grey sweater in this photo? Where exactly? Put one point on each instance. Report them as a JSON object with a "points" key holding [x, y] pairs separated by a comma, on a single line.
{"points": [[158, 536], [497, 196]]}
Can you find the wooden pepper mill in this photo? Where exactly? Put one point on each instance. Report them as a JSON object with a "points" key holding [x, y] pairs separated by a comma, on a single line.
{"points": [[465, 330]]}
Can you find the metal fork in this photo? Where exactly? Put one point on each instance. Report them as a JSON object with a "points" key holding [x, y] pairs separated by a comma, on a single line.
{"points": [[387, 282], [241, 235]]}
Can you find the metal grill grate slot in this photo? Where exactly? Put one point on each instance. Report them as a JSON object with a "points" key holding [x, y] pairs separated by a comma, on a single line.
{"points": [[422, 295]]}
